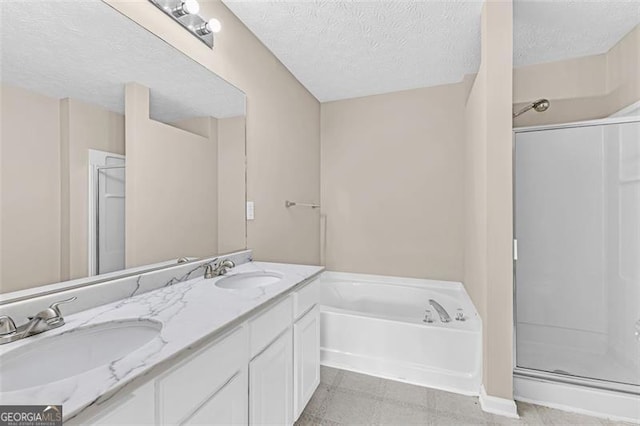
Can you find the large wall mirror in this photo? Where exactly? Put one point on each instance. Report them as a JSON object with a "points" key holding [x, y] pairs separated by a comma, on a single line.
{"points": [[117, 150]]}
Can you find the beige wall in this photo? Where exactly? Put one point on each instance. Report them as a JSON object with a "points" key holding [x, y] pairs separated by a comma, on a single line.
{"points": [[392, 183], [623, 71], [30, 190], [171, 186], [83, 126], [475, 259], [488, 254], [584, 88], [231, 184], [282, 129], [231, 176]]}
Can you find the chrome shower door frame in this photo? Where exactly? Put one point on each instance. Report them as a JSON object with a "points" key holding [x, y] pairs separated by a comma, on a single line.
{"points": [[548, 376]]}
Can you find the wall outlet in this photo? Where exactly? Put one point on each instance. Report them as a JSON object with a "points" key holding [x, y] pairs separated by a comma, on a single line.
{"points": [[250, 210]]}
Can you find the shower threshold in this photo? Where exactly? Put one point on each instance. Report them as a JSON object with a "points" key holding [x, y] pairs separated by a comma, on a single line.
{"points": [[614, 401], [564, 377]]}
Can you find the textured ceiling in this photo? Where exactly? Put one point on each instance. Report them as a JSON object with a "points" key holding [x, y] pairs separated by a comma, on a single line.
{"points": [[344, 49], [348, 48], [548, 31], [88, 51]]}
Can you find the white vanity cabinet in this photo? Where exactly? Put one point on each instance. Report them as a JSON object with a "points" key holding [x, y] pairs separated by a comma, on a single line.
{"points": [[262, 373], [285, 368], [306, 361], [306, 340], [271, 384], [208, 387], [271, 366]]}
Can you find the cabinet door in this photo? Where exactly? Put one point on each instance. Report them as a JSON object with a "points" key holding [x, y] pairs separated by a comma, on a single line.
{"points": [[136, 408], [271, 383], [188, 386], [228, 406], [306, 358]]}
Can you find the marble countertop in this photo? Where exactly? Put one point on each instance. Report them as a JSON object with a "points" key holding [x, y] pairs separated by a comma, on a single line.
{"points": [[190, 313]]}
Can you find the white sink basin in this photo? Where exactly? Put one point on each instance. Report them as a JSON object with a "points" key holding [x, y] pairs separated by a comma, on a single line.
{"points": [[72, 353], [248, 280]]}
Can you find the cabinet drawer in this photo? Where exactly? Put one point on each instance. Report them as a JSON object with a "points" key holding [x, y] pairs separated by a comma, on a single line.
{"points": [[269, 325], [185, 388], [305, 298]]}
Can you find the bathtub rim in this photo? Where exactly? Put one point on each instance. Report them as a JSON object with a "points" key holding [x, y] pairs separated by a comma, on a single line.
{"points": [[474, 326], [395, 281]]}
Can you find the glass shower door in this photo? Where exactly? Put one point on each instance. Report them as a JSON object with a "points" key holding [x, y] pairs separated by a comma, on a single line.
{"points": [[577, 223]]}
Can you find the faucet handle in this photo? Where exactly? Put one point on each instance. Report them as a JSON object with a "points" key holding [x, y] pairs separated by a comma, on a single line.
{"points": [[7, 326], [227, 263], [208, 271], [55, 305]]}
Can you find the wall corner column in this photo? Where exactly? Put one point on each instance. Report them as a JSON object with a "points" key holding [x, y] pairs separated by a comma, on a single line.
{"points": [[488, 194]]}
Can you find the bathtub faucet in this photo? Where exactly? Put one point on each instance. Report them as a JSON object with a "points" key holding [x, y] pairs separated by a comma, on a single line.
{"points": [[444, 315]]}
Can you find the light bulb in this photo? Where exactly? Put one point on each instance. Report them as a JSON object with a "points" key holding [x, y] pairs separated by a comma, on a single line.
{"points": [[191, 7], [211, 26], [214, 25], [187, 7]]}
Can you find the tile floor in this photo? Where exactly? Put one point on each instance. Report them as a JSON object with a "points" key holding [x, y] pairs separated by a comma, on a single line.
{"points": [[346, 398]]}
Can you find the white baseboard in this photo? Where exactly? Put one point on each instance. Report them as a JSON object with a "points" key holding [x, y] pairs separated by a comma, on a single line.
{"points": [[500, 406]]}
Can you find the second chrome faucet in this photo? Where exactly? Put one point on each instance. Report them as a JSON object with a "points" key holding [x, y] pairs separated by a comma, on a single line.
{"points": [[221, 269]]}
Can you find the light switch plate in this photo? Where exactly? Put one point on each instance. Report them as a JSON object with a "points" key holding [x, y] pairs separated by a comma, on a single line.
{"points": [[250, 211]]}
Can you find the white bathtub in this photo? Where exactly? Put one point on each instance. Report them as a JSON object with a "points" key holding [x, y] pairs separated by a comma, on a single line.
{"points": [[374, 325]]}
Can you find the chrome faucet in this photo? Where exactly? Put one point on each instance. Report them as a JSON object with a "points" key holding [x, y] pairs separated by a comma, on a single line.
{"points": [[442, 312], [45, 320], [221, 269]]}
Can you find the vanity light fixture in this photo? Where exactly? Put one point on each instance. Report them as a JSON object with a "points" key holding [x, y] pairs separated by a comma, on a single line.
{"points": [[185, 13]]}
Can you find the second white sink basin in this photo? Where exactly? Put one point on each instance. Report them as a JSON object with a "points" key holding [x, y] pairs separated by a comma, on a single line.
{"points": [[72, 353], [248, 280]]}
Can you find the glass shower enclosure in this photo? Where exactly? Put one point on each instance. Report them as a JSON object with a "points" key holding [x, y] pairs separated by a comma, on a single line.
{"points": [[577, 273]]}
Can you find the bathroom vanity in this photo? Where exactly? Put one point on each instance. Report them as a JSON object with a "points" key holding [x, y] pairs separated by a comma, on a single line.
{"points": [[242, 348]]}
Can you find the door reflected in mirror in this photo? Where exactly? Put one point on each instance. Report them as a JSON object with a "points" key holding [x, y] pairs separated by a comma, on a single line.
{"points": [[106, 212]]}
